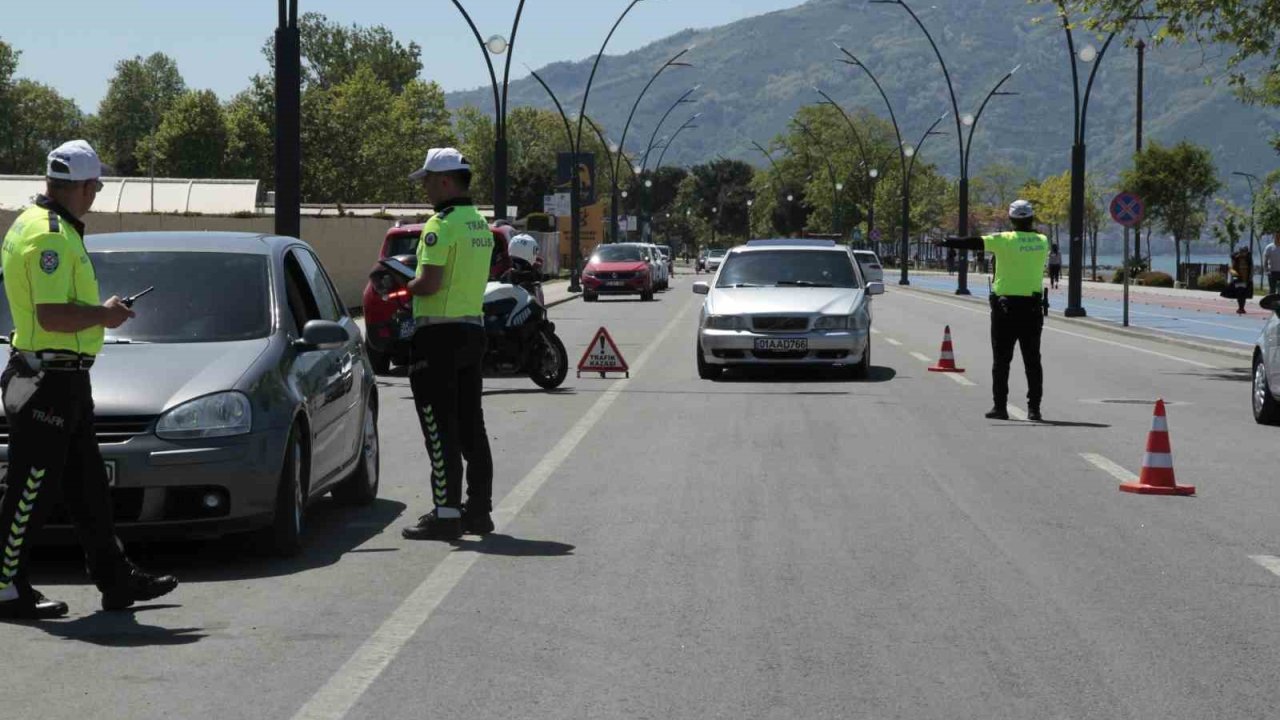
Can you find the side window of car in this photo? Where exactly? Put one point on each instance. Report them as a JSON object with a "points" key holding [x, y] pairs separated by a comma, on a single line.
{"points": [[302, 303], [326, 301]]}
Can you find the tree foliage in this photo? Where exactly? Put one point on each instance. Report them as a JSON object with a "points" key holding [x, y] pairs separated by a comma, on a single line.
{"points": [[34, 119], [191, 141], [142, 91], [1176, 184]]}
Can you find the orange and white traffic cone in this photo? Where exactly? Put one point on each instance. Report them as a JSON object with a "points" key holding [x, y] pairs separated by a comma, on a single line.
{"points": [[947, 359], [1157, 464]]}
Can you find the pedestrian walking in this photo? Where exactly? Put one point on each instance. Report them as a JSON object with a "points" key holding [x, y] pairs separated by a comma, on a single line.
{"points": [[59, 327], [1271, 264], [448, 350], [951, 262], [1055, 266], [1016, 314], [1240, 284]]}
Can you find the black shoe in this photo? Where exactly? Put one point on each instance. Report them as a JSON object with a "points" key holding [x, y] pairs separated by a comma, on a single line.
{"points": [[35, 607], [999, 412], [476, 522], [431, 527], [137, 586], [1033, 413]]}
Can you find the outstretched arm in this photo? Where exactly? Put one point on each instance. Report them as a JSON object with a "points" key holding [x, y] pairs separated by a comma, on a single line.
{"points": [[973, 242]]}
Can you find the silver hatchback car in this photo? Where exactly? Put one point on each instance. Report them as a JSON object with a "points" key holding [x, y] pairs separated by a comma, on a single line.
{"points": [[1266, 366], [239, 394], [786, 302]]}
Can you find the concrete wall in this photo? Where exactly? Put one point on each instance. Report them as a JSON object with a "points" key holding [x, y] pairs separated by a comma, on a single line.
{"points": [[348, 247]]}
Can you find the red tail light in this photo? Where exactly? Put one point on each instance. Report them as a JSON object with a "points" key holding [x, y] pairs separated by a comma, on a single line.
{"points": [[400, 294]]}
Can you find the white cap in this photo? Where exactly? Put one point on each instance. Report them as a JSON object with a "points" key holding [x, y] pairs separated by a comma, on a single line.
{"points": [[1021, 210], [75, 161], [441, 160]]}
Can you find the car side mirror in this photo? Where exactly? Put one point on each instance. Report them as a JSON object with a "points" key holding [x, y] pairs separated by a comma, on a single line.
{"points": [[1270, 302], [701, 288], [322, 335], [875, 288]]}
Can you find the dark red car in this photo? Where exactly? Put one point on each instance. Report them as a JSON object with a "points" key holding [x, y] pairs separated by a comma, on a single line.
{"points": [[617, 269], [382, 329]]}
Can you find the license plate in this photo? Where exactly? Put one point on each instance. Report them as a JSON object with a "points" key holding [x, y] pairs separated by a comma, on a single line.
{"points": [[615, 283], [782, 345], [109, 465], [407, 328]]}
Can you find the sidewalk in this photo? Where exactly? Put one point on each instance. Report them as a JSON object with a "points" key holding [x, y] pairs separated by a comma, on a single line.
{"points": [[556, 292], [1195, 314]]}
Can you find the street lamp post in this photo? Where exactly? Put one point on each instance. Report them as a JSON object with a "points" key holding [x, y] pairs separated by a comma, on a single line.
{"points": [[874, 174], [912, 153], [497, 45], [622, 143], [964, 146], [851, 59], [288, 138], [836, 186], [1253, 205], [648, 183], [1087, 54]]}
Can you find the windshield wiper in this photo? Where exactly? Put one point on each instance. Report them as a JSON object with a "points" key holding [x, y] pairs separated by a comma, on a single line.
{"points": [[743, 285], [124, 341], [804, 283]]}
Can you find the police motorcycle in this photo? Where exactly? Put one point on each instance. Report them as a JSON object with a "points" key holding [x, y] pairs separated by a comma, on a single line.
{"points": [[521, 339]]}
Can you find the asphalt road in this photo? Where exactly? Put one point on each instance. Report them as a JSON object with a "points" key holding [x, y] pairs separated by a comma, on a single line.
{"points": [[788, 545]]}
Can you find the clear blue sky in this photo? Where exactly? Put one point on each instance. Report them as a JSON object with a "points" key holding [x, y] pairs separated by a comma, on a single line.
{"points": [[73, 45]]}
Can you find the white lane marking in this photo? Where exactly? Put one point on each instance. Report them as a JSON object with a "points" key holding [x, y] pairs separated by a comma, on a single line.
{"points": [[961, 380], [875, 331], [893, 342], [1017, 413], [344, 689], [1269, 562], [917, 295], [921, 357], [1110, 468]]}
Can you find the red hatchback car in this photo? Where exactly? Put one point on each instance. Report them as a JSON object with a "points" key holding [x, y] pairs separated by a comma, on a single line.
{"points": [[383, 332], [617, 269]]}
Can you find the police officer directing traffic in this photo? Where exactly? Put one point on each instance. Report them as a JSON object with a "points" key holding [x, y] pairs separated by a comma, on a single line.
{"points": [[59, 325], [1016, 298], [454, 253]]}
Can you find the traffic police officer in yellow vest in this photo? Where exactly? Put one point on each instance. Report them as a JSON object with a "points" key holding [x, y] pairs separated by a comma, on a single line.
{"points": [[53, 450], [454, 253], [1016, 299]]}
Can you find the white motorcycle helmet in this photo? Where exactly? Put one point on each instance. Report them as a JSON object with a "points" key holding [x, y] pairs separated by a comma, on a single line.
{"points": [[524, 247]]}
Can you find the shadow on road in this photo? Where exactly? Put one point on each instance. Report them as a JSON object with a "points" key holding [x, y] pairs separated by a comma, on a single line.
{"points": [[333, 531], [1053, 423], [514, 547], [1242, 374], [527, 391], [121, 629], [875, 374]]}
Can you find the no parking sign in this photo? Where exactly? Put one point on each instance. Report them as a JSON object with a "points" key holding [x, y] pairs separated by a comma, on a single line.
{"points": [[1128, 209]]}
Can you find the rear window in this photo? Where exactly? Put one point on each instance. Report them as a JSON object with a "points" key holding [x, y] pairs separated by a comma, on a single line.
{"points": [[788, 268], [403, 244]]}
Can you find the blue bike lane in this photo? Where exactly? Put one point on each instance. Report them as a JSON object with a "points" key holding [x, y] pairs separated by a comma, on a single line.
{"points": [[1194, 315]]}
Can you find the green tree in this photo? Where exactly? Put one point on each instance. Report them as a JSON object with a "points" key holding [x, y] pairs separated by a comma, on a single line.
{"points": [[1176, 183], [191, 141], [8, 66], [139, 95], [250, 147], [41, 120], [332, 53], [716, 193]]}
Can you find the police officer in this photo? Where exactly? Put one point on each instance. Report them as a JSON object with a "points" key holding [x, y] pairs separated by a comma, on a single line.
{"points": [[58, 329], [1016, 297], [448, 350]]}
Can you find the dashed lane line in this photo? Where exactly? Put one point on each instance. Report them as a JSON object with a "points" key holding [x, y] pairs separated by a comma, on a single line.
{"points": [[1109, 467], [921, 357], [893, 342], [1270, 562], [961, 380], [1017, 413], [345, 688]]}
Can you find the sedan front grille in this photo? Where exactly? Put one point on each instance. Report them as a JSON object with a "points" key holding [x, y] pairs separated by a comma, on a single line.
{"points": [[617, 275], [111, 429], [779, 323]]}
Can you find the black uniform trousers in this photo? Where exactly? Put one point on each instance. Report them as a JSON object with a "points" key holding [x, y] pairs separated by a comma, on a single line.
{"points": [[447, 381], [1016, 321], [53, 448]]}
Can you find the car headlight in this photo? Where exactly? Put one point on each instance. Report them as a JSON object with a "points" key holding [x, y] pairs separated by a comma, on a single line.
{"points": [[725, 322], [860, 321], [212, 416], [832, 322]]}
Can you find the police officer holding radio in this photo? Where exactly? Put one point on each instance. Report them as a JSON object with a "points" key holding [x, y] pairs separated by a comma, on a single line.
{"points": [[59, 327], [1017, 298]]}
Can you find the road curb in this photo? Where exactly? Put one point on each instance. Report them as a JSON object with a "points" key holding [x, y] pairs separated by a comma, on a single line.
{"points": [[1236, 353], [563, 301]]}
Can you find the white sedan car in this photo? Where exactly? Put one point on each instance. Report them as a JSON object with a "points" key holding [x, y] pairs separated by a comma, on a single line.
{"points": [[786, 302], [870, 265]]}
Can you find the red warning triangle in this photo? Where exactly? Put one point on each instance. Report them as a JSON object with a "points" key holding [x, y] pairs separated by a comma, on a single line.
{"points": [[602, 356]]}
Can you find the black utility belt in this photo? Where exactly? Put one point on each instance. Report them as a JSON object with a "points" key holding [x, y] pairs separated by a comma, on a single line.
{"points": [[1018, 298], [56, 360]]}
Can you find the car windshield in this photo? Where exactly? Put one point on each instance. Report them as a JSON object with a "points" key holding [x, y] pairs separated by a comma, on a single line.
{"points": [[617, 253], [198, 297], [865, 260], [406, 244], [788, 268], [717, 252]]}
